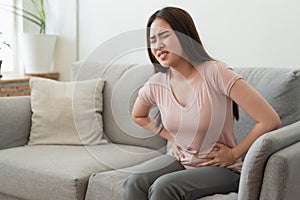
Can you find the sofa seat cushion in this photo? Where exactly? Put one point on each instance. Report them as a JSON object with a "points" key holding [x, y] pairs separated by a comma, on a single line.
{"points": [[6, 197], [109, 186], [61, 172]]}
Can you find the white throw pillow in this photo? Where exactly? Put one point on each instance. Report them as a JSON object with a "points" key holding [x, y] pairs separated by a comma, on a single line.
{"points": [[66, 112]]}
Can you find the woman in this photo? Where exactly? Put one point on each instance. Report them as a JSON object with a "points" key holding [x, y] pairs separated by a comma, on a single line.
{"points": [[197, 97]]}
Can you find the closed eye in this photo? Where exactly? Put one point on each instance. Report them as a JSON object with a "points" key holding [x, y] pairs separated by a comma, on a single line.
{"points": [[164, 34], [152, 40]]}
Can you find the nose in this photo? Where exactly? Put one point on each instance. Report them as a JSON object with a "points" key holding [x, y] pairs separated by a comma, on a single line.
{"points": [[159, 45]]}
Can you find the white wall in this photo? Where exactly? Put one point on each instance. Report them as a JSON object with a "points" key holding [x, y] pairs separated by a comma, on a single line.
{"points": [[61, 20], [241, 33]]}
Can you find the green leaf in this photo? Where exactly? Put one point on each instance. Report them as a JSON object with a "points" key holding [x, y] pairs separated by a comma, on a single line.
{"points": [[38, 19], [28, 18], [27, 13]]}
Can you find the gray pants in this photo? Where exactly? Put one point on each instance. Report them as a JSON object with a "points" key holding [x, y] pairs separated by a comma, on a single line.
{"points": [[172, 181]]}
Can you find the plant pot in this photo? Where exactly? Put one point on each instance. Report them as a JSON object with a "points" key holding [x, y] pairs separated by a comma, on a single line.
{"points": [[37, 52]]}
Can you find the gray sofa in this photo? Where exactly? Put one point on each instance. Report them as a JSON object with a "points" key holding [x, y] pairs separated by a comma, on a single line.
{"points": [[77, 172]]}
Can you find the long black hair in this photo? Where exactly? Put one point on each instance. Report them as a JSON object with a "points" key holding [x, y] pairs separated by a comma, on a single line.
{"points": [[183, 25]]}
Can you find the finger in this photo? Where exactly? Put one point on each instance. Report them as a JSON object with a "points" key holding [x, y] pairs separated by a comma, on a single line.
{"points": [[223, 165], [221, 145], [178, 158], [180, 155], [209, 163], [208, 156]]}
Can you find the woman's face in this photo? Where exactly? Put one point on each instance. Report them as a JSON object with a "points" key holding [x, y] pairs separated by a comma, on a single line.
{"points": [[164, 43]]}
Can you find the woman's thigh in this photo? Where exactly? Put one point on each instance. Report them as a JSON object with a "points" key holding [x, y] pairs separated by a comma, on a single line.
{"points": [[159, 165], [138, 183], [197, 182]]}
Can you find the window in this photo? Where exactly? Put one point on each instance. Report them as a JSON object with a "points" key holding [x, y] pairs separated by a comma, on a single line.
{"points": [[8, 27]]}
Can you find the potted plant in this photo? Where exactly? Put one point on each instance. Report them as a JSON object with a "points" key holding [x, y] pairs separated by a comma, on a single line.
{"points": [[37, 49], [2, 43]]}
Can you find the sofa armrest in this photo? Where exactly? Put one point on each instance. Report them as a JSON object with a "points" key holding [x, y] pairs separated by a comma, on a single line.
{"points": [[257, 157], [281, 177], [15, 121]]}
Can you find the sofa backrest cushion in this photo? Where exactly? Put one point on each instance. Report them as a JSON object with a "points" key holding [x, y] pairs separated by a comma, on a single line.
{"points": [[66, 113], [15, 121], [122, 82], [280, 87]]}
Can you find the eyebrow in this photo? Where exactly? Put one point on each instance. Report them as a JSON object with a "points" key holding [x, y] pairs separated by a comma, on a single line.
{"points": [[159, 34]]}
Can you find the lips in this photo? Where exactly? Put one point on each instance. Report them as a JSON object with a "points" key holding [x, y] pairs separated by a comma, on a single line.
{"points": [[162, 54]]}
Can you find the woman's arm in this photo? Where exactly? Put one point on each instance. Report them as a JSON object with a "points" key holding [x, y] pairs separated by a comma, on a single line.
{"points": [[140, 114], [259, 110]]}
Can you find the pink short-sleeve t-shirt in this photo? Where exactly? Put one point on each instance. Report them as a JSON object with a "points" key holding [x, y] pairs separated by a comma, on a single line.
{"points": [[205, 120]]}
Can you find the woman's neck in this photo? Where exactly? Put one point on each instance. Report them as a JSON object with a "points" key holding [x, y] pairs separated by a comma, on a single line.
{"points": [[184, 70]]}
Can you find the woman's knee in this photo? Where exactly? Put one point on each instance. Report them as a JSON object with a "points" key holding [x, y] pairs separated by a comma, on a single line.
{"points": [[136, 182], [135, 187], [131, 181], [164, 187]]}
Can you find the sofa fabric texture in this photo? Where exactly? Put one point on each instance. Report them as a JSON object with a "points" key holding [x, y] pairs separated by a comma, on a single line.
{"points": [[285, 164], [8, 197], [17, 117], [257, 157], [60, 171], [78, 172]]}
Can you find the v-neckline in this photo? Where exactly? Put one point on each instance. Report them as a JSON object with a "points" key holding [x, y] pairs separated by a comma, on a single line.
{"points": [[175, 100]]}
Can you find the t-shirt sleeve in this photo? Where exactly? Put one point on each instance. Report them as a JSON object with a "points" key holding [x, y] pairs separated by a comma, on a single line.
{"points": [[226, 78], [145, 94]]}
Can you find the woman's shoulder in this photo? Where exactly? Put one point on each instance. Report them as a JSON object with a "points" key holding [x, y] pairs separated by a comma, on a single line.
{"points": [[213, 64], [212, 67], [158, 77]]}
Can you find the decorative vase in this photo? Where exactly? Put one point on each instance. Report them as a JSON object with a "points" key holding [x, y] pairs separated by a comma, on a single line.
{"points": [[37, 52]]}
